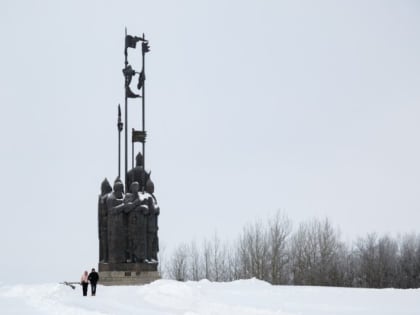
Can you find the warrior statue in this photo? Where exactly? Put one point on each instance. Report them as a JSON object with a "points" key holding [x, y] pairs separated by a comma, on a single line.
{"points": [[152, 224], [137, 224], [138, 173], [128, 213], [116, 229], [103, 221]]}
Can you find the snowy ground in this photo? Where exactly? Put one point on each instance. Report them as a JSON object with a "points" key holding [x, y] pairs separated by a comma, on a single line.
{"points": [[192, 298]]}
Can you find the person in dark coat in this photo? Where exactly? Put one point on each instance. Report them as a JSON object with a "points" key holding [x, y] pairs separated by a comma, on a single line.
{"points": [[93, 279]]}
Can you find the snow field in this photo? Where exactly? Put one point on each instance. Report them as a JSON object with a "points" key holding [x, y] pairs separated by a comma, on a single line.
{"points": [[243, 297]]}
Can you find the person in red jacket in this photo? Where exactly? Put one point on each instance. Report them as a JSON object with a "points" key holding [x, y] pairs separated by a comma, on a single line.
{"points": [[93, 279]]}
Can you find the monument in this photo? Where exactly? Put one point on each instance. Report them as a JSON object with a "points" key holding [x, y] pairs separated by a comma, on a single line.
{"points": [[128, 210]]}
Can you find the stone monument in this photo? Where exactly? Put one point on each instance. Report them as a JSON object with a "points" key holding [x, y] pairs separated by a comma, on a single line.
{"points": [[128, 212]]}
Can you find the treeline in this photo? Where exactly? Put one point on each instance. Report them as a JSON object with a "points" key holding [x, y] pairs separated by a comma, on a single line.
{"points": [[312, 254]]}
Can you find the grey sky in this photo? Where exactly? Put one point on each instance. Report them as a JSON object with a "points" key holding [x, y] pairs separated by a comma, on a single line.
{"points": [[252, 106]]}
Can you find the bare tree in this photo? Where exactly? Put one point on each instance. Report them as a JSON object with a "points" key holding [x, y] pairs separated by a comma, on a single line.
{"points": [[388, 262], [315, 251], [279, 229], [330, 248], [233, 270], [409, 264], [217, 258], [253, 251], [178, 264], [162, 261], [312, 255], [195, 262], [367, 252], [207, 260], [305, 253]]}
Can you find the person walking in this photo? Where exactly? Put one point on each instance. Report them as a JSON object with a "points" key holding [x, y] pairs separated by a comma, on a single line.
{"points": [[93, 278], [84, 281]]}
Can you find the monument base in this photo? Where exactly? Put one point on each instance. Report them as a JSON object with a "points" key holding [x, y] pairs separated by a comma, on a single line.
{"points": [[127, 273]]}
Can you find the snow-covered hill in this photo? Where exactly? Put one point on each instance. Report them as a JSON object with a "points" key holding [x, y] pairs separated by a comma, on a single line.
{"points": [[243, 297]]}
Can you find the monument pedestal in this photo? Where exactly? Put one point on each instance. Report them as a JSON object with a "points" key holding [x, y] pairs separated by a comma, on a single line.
{"points": [[127, 273]]}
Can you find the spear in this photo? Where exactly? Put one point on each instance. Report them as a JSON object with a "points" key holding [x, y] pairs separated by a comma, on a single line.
{"points": [[145, 48], [120, 128], [128, 71], [125, 111]]}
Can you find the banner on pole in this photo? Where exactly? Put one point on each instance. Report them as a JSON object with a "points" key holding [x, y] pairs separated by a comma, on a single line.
{"points": [[138, 136]]}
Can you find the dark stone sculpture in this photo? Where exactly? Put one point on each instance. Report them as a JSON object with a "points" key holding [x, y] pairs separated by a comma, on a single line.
{"points": [[152, 229], [103, 220], [128, 220], [116, 229], [150, 186], [137, 224], [138, 174], [128, 224]]}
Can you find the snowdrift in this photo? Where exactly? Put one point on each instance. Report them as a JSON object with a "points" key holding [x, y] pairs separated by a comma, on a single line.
{"points": [[242, 297]]}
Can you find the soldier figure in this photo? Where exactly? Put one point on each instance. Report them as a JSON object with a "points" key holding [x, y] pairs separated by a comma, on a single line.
{"points": [[152, 229], [137, 224], [138, 174], [116, 228], [103, 221]]}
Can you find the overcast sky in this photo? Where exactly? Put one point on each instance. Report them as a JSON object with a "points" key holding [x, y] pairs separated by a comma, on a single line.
{"points": [[310, 107]]}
